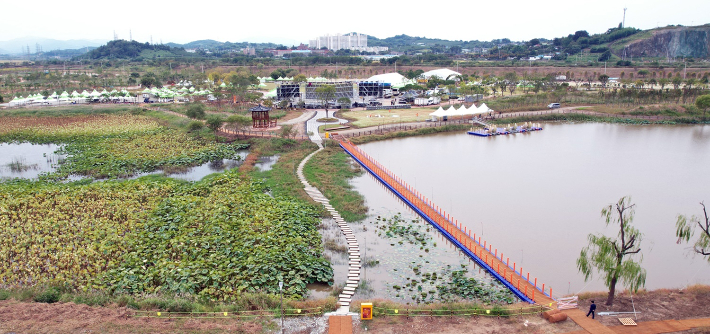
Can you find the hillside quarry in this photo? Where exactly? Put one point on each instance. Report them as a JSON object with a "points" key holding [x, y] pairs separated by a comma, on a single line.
{"points": [[671, 42]]}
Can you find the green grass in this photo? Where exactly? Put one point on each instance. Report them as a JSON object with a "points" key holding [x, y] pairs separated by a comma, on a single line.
{"points": [[621, 119], [410, 133], [387, 308], [164, 302], [282, 179], [329, 171]]}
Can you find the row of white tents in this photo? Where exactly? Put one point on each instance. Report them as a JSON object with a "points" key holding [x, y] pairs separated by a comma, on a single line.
{"points": [[462, 111], [71, 97], [310, 79], [173, 92]]}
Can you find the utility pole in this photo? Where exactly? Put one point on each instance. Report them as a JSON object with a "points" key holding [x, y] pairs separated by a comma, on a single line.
{"points": [[281, 292]]}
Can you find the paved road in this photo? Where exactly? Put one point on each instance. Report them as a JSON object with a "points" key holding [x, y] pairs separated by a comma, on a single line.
{"points": [[312, 125]]}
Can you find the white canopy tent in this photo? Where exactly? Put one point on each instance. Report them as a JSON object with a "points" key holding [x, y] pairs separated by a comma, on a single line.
{"points": [[395, 79], [442, 73], [461, 111]]}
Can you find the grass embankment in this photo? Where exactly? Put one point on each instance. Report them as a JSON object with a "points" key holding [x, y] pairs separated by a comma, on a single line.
{"points": [[329, 171], [227, 109], [245, 302], [282, 179], [620, 119], [410, 133], [390, 308]]}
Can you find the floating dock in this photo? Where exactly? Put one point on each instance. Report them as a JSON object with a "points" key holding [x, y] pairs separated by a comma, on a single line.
{"points": [[487, 257], [490, 130], [499, 133]]}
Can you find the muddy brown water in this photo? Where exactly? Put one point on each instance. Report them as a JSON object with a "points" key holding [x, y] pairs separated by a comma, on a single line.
{"points": [[536, 196]]}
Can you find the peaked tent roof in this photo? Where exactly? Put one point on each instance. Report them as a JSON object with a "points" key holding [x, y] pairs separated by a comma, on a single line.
{"points": [[442, 73]]}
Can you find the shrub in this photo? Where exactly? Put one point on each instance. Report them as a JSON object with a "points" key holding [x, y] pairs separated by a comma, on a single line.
{"points": [[196, 111], [195, 126], [4, 295], [214, 122], [50, 295]]}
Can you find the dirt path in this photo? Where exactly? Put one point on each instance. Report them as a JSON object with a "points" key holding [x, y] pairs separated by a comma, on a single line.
{"points": [[21, 317], [661, 311]]}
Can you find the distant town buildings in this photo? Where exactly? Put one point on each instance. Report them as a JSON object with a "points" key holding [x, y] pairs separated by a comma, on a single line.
{"points": [[352, 41], [249, 51]]}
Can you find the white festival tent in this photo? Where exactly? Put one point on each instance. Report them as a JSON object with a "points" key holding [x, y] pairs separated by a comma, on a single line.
{"points": [[395, 79], [483, 108], [462, 111], [442, 73]]}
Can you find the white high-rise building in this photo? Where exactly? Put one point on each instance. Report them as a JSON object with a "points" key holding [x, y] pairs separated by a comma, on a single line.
{"points": [[336, 42]]}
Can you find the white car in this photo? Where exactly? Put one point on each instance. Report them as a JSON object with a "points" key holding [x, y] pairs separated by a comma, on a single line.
{"points": [[553, 105]]}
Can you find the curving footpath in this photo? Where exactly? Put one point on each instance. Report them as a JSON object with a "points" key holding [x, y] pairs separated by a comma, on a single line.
{"points": [[353, 280]]}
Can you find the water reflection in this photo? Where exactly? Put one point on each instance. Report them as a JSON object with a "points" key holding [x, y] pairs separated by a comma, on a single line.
{"points": [[537, 196], [27, 160], [198, 172], [266, 162]]}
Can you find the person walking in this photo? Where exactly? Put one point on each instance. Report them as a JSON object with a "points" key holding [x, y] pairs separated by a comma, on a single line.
{"points": [[592, 308]]}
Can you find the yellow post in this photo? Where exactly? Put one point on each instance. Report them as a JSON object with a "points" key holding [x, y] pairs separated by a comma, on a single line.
{"points": [[366, 311]]}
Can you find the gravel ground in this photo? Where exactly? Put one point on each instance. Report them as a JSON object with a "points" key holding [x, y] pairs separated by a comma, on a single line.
{"points": [[303, 325]]}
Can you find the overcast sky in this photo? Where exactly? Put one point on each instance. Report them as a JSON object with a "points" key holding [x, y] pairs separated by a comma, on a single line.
{"points": [[292, 22]]}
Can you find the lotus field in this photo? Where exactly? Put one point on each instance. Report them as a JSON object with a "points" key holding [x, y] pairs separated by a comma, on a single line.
{"points": [[211, 239], [214, 238], [70, 234], [110, 146]]}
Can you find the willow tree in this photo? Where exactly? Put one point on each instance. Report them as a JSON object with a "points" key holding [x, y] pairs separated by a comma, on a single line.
{"points": [[686, 227], [612, 257]]}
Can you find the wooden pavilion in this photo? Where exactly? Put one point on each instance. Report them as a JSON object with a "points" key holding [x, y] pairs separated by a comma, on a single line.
{"points": [[260, 117]]}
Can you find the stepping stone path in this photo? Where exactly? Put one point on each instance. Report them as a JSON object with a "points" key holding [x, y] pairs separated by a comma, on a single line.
{"points": [[353, 248]]}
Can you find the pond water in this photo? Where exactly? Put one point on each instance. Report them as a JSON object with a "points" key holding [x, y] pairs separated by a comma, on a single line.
{"points": [[266, 162], [27, 160], [536, 196], [402, 258], [196, 173]]}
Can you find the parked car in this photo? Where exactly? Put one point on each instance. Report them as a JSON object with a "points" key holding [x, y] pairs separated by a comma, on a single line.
{"points": [[553, 105], [375, 103], [359, 105]]}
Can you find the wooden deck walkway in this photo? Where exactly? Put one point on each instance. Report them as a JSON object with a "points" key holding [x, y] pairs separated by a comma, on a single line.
{"points": [[479, 250]]}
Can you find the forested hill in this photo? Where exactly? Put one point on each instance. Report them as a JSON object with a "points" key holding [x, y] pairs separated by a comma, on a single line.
{"points": [[402, 42], [122, 49]]}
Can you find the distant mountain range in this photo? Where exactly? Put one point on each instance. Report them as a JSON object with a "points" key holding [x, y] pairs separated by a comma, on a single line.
{"points": [[19, 45], [670, 41]]}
